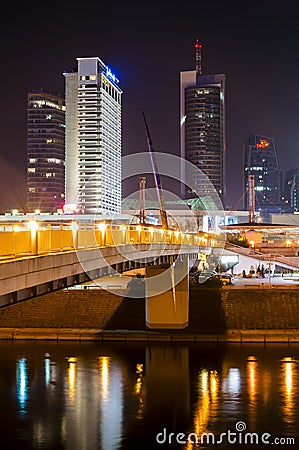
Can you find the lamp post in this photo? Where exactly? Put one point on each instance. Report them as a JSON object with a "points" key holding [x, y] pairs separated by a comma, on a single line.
{"points": [[33, 226], [102, 227]]}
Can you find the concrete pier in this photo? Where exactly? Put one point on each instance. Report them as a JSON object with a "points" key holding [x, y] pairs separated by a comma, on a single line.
{"points": [[167, 296]]}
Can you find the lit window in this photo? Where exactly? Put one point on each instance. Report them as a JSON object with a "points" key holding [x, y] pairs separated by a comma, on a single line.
{"points": [[54, 160], [31, 170]]}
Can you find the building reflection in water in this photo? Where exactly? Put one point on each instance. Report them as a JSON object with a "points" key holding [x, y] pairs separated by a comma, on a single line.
{"points": [[139, 390], [111, 403], [104, 368], [47, 362], [94, 404], [167, 387], [206, 406], [289, 374], [108, 402], [252, 389], [71, 377], [22, 384], [232, 384]]}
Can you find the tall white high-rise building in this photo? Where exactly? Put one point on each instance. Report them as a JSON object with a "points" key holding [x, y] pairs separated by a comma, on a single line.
{"points": [[93, 138]]}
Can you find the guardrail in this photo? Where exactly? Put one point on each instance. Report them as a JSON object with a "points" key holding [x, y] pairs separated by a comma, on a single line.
{"points": [[34, 238]]}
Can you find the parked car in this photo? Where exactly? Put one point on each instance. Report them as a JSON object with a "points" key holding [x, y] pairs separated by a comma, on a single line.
{"points": [[215, 279], [203, 274], [209, 281], [225, 278]]}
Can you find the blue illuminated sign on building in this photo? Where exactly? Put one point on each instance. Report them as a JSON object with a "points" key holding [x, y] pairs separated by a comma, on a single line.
{"points": [[111, 75]]}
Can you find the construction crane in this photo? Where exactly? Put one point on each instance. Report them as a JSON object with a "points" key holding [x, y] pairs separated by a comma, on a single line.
{"points": [[142, 181], [251, 199], [158, 185]]}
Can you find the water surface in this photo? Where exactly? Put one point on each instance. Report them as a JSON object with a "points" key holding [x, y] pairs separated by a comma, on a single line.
{"points": [[136, 396]]}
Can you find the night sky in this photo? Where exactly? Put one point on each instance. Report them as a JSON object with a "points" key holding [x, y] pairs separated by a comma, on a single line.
{"points": [[254, 43]]}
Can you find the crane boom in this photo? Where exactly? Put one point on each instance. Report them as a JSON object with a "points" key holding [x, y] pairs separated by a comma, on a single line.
{"points": [[158, 185]]}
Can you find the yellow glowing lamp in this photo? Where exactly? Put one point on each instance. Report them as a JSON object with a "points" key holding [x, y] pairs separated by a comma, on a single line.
{"points": [[102, 226]]}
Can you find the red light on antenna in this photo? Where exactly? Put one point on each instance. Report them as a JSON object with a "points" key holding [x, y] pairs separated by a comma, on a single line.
{"points": [[197, 45]]}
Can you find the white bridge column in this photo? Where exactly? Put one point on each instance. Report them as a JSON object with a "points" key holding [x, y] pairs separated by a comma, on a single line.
{"points": [[167, 295]]}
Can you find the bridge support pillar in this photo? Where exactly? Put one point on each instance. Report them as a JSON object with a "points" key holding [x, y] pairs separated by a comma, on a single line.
{"points": [[167, 295]]}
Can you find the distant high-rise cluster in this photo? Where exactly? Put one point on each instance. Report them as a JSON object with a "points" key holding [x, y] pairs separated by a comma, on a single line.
{"points": [[74, 145], [202, 107]]}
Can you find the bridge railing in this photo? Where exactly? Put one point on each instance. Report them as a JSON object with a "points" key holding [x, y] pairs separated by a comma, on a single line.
{"points": [[35, 238], [266, 257]]}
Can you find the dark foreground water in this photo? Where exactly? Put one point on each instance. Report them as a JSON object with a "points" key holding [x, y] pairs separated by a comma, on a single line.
{"points": [[137, 396]]}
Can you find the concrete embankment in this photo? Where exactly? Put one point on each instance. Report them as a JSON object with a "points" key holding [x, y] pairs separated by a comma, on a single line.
{"points": [[221, 315]]}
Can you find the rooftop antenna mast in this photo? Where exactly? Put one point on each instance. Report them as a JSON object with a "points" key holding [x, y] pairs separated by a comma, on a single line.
{"points": [[198, 48], [157, 178]]}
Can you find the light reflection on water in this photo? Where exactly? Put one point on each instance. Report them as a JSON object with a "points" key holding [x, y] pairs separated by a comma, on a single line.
{"points": [[289, 388], [121, 396], [22, 384]]}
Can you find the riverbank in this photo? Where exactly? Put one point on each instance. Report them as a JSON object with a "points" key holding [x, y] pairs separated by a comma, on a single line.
{"points": [[83, 335], [215, 315]]}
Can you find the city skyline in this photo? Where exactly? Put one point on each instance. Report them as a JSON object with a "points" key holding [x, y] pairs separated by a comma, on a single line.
{"points": [[253, 48]]}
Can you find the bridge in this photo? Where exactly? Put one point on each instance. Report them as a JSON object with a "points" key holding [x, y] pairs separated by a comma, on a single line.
{"points": [[40, 257], [275, 260]]}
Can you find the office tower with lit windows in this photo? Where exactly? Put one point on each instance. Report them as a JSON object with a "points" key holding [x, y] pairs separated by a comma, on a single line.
{"points": [[290, 195], [93, 138], [202, 111], [45, 152], [261, 161]]}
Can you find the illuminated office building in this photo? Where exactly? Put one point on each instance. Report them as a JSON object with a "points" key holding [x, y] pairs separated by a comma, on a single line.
{"points": [[45, 152], [260, 160], [290, 197], [93, 138], [202, 109]]}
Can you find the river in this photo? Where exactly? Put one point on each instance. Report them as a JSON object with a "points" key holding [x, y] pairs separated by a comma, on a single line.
{"points": [[109, 396]]}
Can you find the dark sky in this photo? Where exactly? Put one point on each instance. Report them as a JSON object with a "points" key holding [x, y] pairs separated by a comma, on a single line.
{"points": [[254, 43]]}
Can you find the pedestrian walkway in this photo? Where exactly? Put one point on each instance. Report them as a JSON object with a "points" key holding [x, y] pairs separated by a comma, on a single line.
{"points": [[287, 281]]}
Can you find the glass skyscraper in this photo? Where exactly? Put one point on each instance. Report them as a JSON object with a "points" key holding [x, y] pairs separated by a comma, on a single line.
{"points": [[290, 197], [93, 138], [45, 152], [261, 161], [202, 109]]}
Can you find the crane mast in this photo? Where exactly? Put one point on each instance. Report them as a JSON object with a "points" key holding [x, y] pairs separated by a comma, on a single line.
{"points": [[142, 181], [158, 185]]}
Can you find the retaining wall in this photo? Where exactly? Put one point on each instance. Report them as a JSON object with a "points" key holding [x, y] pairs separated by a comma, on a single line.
{"points": [[222, 314]]}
